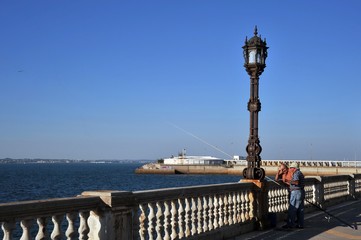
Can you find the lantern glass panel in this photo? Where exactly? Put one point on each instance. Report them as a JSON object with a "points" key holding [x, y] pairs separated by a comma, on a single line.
{"points": [[259, 59], [252, 56]]}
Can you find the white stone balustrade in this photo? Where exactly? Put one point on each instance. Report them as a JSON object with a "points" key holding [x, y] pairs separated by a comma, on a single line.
{"points": [[189, 211], [47, 219], [198, 212]]}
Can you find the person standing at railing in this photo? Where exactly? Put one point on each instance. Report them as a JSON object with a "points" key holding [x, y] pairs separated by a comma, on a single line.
{"points": [[297, 197]]}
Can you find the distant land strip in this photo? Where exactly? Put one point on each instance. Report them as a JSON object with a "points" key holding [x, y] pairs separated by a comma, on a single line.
{"points": [[39, 160]]}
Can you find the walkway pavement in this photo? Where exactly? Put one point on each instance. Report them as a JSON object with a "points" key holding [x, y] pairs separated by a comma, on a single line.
{"points": [[319, 225]]}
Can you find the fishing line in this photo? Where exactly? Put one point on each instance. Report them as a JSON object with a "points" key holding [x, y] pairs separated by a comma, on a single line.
{"points": [[216, 148], [198, 138]]}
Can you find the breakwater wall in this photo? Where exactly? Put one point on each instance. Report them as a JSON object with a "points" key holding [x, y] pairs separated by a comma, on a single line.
{"points": [[238, 169]]}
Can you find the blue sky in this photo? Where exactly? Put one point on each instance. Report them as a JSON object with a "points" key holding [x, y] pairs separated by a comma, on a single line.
{"points": [[112, 79]]}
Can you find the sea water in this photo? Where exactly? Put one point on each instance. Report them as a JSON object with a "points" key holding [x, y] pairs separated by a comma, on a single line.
{"points": [[19, 182]]}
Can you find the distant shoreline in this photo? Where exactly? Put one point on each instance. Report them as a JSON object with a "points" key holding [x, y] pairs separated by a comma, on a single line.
{"points": [[47, 161]]}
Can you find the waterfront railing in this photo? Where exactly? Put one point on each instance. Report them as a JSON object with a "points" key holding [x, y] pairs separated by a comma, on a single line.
{"points": [[217, 211]]}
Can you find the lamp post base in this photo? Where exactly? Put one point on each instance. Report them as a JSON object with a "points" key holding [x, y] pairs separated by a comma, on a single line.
{"points": [[254, 173]]}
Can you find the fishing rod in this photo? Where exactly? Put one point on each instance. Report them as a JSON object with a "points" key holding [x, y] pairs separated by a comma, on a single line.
{"points": [[216, 148], [317, 206]]}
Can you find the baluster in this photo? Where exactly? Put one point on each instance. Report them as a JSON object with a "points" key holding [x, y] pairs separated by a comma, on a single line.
{"points": [[180, 218], [239, 210], [243, 206], [141, 222], [42, 233], [193, 219], [270, 200], [234, 200], [57, 234], [158, 226], [283, 195], [230, 209], [173, 219], [310, 194], [358, 185], [205, 213], [271, 196], [150, 221], [282, 198], [83, 229], [285, 198], [187, 218], [220, 211], [166, 221], [276, 200], [246, 206], [8, 228], [199, 215], [70, 231], [279, 200], [251, 203], [225, 209], [215, 212], [210, 213], [26, 227]]}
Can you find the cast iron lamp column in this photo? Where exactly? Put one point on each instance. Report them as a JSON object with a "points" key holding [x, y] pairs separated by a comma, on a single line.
{"points": [[255, 54]]}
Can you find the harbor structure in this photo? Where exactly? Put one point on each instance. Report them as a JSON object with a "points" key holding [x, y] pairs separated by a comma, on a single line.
{"points": [[183, 159]]}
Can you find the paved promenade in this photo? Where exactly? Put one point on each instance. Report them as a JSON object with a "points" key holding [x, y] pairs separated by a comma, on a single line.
{"points": [[318, 225]]}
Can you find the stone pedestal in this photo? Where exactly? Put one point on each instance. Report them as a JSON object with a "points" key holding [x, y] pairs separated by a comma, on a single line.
{"points": [[260, 203], [114, 221]]}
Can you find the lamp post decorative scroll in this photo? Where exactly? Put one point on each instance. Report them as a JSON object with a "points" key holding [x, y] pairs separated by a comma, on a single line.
{"points": [[255, 54]]}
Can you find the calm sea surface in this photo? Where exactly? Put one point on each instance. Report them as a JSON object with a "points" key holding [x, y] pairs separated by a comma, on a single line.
{"points": [[20, 182]]}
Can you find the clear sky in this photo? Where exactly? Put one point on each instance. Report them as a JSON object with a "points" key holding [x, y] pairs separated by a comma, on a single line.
{"points": [[118, 79]]}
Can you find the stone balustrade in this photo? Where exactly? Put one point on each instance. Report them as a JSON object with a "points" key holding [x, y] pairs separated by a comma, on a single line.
{"points": [[217, 211], [18, 219], [192, 211]]}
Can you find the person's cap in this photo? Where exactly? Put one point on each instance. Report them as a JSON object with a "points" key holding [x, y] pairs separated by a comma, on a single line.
{"points": [[294, 165]]}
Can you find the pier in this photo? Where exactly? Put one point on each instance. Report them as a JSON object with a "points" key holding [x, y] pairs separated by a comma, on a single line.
{"points": [[220, 211]]}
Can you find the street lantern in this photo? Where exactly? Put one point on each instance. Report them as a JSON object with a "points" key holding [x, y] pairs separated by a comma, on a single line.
{"points": [[255, 54]]}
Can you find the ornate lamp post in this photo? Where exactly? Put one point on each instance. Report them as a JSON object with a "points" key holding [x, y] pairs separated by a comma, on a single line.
{"points": [[255, 54]]}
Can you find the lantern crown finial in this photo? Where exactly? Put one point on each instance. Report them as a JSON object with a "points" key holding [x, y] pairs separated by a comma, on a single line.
{"points": [[255, 51]]}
